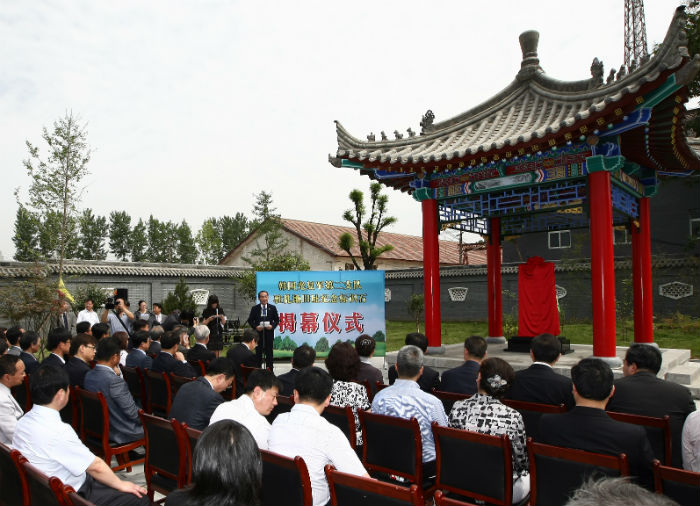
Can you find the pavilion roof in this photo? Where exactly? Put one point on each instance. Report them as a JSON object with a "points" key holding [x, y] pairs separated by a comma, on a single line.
{"points": [[536, 112]]}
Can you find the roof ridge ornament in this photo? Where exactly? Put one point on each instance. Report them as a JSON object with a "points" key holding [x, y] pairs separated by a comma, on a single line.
{"points": [[597, 72], [528, 45], [426, 123]]}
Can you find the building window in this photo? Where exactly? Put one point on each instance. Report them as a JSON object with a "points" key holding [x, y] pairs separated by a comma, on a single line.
{"points": [[621, 235], [676, 290], [349, 267], [458, 293], [559, 239], [695, 228]]}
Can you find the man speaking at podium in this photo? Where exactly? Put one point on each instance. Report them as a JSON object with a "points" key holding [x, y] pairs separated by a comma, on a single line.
{"points": [[264, 318]]}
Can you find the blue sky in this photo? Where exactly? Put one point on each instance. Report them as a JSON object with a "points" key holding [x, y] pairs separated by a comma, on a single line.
{"points": [[193, 106]]}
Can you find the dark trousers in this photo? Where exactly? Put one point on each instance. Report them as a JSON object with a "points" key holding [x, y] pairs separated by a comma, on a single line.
{"points": [[267, 338], [99, 493]]}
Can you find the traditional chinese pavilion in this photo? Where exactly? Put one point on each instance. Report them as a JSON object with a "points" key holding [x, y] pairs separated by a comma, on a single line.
{"points": [[542, 155]]}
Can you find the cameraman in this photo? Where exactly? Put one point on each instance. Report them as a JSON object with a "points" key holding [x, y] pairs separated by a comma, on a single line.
{"points": [[119, 317]]}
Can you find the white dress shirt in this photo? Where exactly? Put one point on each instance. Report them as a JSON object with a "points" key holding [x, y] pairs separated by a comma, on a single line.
{"points": [[691, 442], [52, 446], [88, 316], [10, 412], [305, 433], [243, 411]]}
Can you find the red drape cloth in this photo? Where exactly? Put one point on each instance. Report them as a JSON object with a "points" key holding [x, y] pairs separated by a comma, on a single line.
{"points": [[537, 298]]}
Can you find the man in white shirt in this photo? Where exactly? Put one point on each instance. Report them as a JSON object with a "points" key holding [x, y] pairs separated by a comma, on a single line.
{"points": [[251, 408], [304, 432], [11, 375], [691, 442], [88, 315], [54, 447]]}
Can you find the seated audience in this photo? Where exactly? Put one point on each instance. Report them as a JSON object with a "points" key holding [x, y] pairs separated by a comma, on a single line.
{"points": [[139, 325], [640, 392], [138, 357], [11, 375], [156, 333], [365, 346], [405, 399], [243, 354], [484, 413], [304, 432], [195, 402], [616, 492], [462, 379], [588, 427], [83, 328], [3, 346], [251, 408], [30, 343], [59, 452], [302, 357], [13, 335], [226, 469], [124, 423], [430, 378], [169, 360], [199, 351], [539, 382], [100, 330], [690, 441], [58, 343], [123, 340], [182, 333], [82, 351], [343, 363]]}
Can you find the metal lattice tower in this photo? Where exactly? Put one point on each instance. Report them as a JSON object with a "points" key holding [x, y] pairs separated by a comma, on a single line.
{"points": [[635, 33]]}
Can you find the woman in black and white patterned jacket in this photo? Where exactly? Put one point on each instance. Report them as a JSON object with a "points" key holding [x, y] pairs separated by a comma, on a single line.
{"points": [[485, 413]]}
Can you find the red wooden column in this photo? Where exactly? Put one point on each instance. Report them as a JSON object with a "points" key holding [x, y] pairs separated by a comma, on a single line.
{"points": [[602, 265], [493, 260], [431, 272], [641, 277]]}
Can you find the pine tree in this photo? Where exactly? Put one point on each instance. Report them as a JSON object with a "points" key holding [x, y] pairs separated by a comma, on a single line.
{"points": [[119, 234]]}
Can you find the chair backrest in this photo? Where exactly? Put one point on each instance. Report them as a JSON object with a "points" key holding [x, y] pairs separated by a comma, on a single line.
{"points": [[351, 490], [165, 452], [43, 490], [191, 436], [392, 445], [532, 412], [134, 380], [680, 485], [285, 480], [12, 481], [160, 395], [556, 472], [442, 500], [449, 398], [245, 372], [380, 386], [658, 432], [22, 394], [342, 418], [199, 366], [474, 465], [70, 414], [94, 429], [284, 405], [177, 381]]}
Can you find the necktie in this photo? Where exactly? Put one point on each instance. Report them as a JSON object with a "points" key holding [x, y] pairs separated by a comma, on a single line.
{"points": [[65, 320], [264, 311]]}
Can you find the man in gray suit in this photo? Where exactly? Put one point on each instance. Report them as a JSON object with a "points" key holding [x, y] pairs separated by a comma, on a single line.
{"points": [[124, 423], [66, 318]]}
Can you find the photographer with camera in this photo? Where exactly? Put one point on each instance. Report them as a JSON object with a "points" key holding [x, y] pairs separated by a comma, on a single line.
{"points": [[118, 316]]}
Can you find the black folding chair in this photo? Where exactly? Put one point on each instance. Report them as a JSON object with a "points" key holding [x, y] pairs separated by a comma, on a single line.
{"points": [[680, 485], [285, 481], [351, 490]]}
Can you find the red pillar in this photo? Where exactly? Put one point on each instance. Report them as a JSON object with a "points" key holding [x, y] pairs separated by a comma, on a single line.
{"points": [[602, 264], [431, 272], [641, 277], [493, 260]]}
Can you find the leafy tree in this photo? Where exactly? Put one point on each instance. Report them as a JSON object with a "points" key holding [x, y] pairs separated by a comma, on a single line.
{"points": [[138, 242], [55, 186], [49, 235], [169, 245], [92, 236], [85, 292], [233, 231], [416, 305], [367, 228], [209, 242], [692, 28], [277, 343], [120, 234], [218, 236], [154, 240], [186, 249], [288, 344], [322, 345], [180, 298], [30, 302], [379, 336], [26, 238]]}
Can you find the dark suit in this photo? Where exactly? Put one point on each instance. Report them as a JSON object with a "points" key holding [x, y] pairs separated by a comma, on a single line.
{"points": [[165, 362], [593, 430], [30, 362], [461, 379], [429, 379], [138, 358], [287, 379], [240, 355], [154, 348], [194, 403], [267, 336], [539, 383], [645, 394], [76, 369], [54, 360], [200, 352], [124, 423]]}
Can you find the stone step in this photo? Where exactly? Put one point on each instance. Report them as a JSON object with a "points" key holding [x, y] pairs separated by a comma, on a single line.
{"points": [[687, 374]]}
